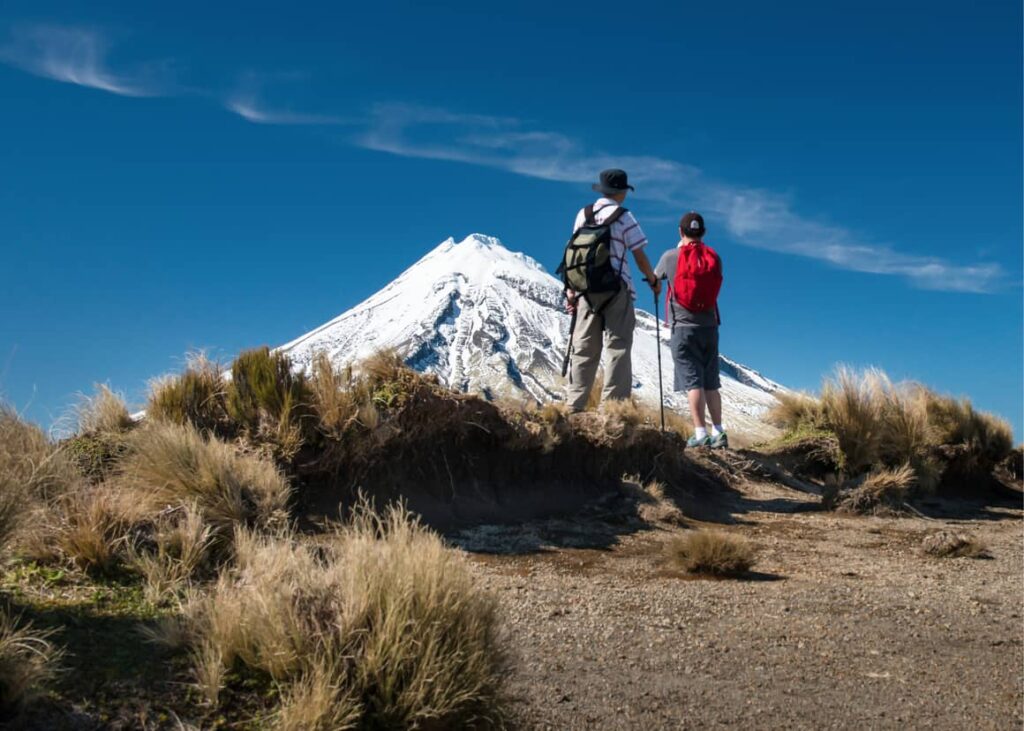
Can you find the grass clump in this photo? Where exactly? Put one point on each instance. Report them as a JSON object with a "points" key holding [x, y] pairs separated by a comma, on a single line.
{"points": [[180, 546], [881, 428], [103, 412], [37, 467], [173, 465], [880, 492], [380, 626], [797, 411], [196, 396], [267, 399], [710, 552], [948, 544], [91, 531], [28, 661], [336, 406]]}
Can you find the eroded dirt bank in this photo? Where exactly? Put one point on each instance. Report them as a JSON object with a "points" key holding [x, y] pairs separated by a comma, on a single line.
{"points": [[845, 624]]}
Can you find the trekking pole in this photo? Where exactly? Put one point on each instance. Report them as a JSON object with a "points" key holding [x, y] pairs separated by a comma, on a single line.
{"points": [[657, 345], [568, 350]]}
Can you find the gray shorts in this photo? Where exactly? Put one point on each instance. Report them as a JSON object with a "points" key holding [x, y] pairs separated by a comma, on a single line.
{"points": [[695, 353]]}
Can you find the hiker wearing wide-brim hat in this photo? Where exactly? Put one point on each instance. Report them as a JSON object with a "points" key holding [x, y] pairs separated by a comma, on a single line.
{"points": [[599, 291]]}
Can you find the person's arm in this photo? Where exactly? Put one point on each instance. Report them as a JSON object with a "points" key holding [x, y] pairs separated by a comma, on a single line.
{"points": [[635, 241], [644, 264]]}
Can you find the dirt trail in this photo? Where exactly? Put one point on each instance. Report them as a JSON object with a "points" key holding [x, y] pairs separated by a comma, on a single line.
{"points": [[845, 625]]}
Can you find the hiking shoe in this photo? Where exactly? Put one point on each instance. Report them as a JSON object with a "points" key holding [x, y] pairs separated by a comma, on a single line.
{"points": [[696, 441], [719, 441]]}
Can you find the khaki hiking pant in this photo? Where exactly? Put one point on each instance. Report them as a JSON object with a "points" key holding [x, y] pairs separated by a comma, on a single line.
{"points": [[613, 329]]}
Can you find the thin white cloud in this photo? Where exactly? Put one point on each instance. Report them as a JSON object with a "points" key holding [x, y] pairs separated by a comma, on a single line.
{"points": [[754, 217], [71, 55], [252, 109]]}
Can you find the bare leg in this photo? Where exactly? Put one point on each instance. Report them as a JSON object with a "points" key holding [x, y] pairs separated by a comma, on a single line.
{"points": [[696, 396], [714, 399]]}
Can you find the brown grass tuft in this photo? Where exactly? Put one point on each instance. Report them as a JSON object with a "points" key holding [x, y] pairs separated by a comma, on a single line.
{"points": [[176, 465], [92, 529], [103, 412], [797, 411], [384, 366], [181, 545], [34, 473], [28, 660], [333, 399], [710, 552], [879, 424], [29, 459], [196, 396], [882, 492], [851, 409], [381, 623]]}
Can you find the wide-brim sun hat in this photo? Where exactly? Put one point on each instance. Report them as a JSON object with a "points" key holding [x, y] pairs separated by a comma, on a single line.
{"points": [[613, 182]]}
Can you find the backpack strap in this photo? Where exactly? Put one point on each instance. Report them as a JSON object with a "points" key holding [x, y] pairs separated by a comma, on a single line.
{"points": [[589, 215]]}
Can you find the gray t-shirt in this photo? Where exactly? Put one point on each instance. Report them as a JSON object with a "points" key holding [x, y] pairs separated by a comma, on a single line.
{"points": [[677, 314]]}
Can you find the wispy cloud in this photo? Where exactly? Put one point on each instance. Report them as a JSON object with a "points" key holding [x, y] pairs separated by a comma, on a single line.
{"points": [[754, 217], [72, 55], [250, 107]]}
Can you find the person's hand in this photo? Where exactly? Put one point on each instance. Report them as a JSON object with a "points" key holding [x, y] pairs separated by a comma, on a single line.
{"points": [[655, 285], [570, 301]]}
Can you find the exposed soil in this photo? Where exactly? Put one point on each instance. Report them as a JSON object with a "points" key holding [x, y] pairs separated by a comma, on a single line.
{"points": [[844, 623]]}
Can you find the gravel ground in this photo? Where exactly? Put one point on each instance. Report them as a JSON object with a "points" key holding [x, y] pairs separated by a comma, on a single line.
{"points": [[845, 624]]}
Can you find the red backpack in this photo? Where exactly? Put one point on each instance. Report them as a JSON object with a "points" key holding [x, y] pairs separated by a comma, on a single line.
{"points": [[698, 278]]}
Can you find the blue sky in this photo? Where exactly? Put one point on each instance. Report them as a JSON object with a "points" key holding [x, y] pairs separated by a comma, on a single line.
{"points": [[220, 176]]}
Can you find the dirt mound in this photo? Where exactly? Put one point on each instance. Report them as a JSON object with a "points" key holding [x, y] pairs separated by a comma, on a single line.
{"points": [[810, 457], [458, 459]]}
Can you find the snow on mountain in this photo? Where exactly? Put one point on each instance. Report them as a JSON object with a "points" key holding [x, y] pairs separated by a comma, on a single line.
{"points": [[492, 321]]}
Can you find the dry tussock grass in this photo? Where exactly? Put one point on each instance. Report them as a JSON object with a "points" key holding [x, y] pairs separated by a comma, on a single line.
{"points": [[91, 530], [103, 412], [852, 410], [336, 406], [710, 552], [796, 410], [28, 661], [180, 547], [171, 465], [29, 459], [31, 471], [196, 396], [379, 624], [653, 506], [881, 425], [880, 492], [35, 476], [12, 507]]}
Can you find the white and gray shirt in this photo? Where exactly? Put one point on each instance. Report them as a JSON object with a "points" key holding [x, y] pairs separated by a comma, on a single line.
{"points": [[626, 234]]}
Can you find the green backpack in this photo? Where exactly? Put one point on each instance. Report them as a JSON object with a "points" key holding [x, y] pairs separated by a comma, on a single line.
{"points": [[587, 266], [588, 269]]}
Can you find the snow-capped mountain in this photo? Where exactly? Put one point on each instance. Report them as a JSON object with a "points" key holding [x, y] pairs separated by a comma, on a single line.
{"points": [[492, 321]]}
